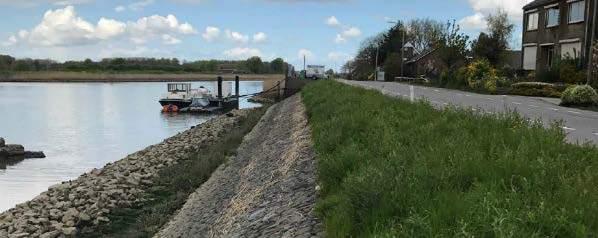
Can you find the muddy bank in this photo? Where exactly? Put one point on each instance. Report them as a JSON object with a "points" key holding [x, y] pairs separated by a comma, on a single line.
{"points": [[86, 201], [142, 77], [267, 190]]}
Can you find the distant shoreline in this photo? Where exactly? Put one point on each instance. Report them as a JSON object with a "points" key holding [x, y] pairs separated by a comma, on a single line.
{"points": [[76, 77]]}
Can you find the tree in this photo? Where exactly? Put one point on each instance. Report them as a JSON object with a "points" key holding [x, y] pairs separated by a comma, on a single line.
{"points": [[277, 65], [452, 48], [493, 45], [392, 66], [254, 64], [425, 34]]}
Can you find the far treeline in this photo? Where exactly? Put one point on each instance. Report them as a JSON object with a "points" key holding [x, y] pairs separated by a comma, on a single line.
{"points": [[253, 65]]}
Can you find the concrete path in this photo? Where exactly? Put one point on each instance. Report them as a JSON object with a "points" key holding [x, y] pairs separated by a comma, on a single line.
{"points": [[268, 190], [580, 125]]}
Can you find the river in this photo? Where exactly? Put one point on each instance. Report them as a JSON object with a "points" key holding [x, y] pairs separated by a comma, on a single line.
{"points": [[81, 126]]}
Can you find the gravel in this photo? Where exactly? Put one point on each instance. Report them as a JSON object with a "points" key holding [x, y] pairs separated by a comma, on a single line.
{"points": [[267, 190]]}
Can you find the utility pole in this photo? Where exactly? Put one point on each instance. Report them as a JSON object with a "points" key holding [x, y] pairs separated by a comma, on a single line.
{"points": [[592, 39], [403, 54], [376, 68]]}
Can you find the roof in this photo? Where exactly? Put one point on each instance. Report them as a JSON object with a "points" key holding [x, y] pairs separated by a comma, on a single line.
{"points": [[421, 56], [538, 3]]}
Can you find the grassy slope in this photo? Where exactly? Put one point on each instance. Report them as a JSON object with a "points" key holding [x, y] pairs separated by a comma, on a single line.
{"points": [[173, 185], [389, 167]]}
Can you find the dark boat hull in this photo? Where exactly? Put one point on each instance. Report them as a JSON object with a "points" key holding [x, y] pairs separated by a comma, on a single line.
{"points": [[175, 102]]}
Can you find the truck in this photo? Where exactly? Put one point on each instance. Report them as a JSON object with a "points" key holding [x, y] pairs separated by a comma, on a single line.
{"points": [[315, 72]]}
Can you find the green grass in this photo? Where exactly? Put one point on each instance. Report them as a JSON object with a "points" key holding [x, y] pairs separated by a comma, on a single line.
{"points": [[391, 168], [173, 185]]}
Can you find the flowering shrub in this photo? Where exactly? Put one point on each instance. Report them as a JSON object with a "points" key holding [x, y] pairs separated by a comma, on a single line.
{"points": [[481, 75], [579, 95]]}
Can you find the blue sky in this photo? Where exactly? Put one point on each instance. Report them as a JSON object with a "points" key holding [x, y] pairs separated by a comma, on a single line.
{"points": [[327, 31]]}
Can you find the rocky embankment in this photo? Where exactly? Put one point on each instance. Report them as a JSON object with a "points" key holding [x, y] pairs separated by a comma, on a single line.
{"points": [[17, 151], [267, 190], [86, 201]]}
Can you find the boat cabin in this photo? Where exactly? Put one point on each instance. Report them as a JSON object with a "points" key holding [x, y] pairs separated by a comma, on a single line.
{"points": [[179, 87]]}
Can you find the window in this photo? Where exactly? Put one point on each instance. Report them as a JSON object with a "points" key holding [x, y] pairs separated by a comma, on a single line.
{"points": [[532, 21], [529, 57], [552, 17], [576, 11], [571, 50]]}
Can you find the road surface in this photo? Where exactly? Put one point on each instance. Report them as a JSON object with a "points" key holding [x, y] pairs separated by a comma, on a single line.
{"points": [[581, 126]]}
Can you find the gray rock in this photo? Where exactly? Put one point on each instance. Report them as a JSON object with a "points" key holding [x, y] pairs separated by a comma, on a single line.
{"points": [[2, 142], [51, 234], [69, 231], [34, 155], [13, 150]]}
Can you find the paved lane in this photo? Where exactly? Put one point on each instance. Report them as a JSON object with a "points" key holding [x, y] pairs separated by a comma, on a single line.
{"points": [[580, 125]]}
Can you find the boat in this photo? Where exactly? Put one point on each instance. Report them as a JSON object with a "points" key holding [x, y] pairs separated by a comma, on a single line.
{"points": [[182, 98]]}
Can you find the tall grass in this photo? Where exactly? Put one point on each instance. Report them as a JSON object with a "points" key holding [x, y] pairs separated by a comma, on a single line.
{"points": [[173, 185], [391, 168]]}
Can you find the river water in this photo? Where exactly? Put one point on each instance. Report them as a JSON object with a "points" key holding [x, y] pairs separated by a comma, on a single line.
{"points": [[81, 126]]}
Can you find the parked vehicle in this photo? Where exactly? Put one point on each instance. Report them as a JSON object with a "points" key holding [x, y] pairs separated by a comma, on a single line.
{"points": [[315, 72]]}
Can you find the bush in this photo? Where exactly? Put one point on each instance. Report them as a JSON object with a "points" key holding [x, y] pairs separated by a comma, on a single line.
{"points": [[536, 89], [579, 95], [482, 76], [569, 72]]}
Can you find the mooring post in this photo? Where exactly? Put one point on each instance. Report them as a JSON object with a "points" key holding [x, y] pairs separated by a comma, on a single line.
{"points": [[220, 91], [237, 92]]}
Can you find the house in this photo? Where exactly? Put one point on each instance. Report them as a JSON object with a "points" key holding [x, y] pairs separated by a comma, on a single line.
{"points": [[554, 29], [426, 64]]}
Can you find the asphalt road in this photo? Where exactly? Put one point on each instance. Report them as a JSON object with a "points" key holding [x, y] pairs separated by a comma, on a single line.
{"points": [[580, 125]]}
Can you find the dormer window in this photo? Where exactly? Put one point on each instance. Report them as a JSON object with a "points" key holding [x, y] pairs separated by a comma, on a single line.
{"points": [[532, 21], [552, 16], [577, 11]]}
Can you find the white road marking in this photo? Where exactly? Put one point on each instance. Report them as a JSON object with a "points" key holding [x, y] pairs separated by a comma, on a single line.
{"points": [[554, 109], [445, 103], [490, 99], [569, 129], [467, 95], [517, 103], [459, 94], [436, 90], [596, 133], [533, 106], [574, 112]]}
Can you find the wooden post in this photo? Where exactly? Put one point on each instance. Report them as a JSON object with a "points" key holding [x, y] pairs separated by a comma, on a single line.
{"points": [[220, 91], [237, 92]]}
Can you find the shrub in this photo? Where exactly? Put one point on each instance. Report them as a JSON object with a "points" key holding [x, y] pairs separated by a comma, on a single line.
{"points": [[536, 89], [570, 73], [482, 76], [579, 95]]}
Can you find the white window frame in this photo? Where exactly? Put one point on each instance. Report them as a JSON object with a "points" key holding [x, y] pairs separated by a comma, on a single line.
{"points": [[558, 16], [535, 20], [583, 11]]}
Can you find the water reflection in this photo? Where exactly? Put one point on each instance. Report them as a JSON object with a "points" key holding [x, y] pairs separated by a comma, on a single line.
{"points": [[81, 126]]}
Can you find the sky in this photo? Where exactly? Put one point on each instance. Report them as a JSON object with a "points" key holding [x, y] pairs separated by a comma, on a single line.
{"points": [[327, 32]]}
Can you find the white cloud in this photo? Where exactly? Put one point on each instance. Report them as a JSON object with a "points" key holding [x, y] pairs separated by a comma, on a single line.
{"points": [[120, 8], [305, 53], [351, 32], [237, 37], [339, 39], [473, 22], [211, 33], [64, 28], [170, 40], [260, 37], [12, 40], [482, 8], [138, 6], [242, 53], [332, 21], [148, 27]]}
